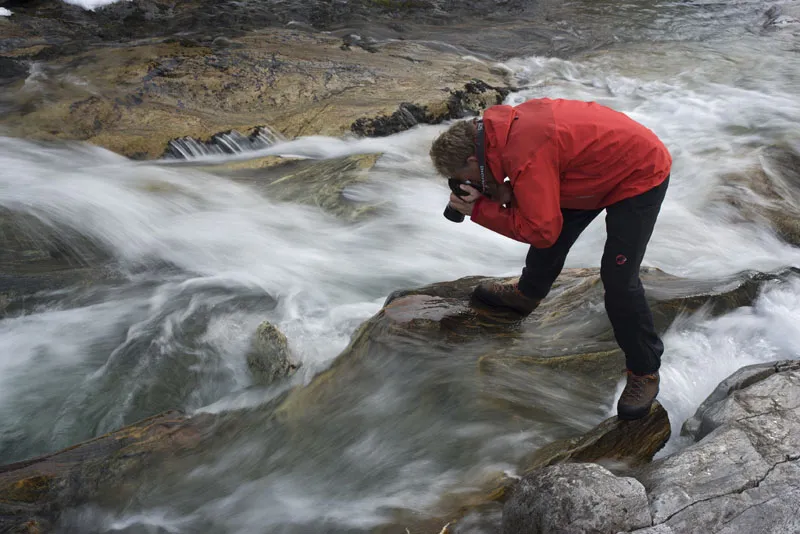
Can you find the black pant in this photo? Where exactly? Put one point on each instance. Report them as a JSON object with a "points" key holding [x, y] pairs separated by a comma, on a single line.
{"points": [[629, 225]]}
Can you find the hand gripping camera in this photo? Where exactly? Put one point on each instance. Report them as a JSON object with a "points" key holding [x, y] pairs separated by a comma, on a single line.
{"points": [[455, 185]]}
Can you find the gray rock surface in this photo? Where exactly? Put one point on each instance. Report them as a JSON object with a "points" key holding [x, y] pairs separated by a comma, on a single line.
{"points": [[743, 475], [575, 498]]}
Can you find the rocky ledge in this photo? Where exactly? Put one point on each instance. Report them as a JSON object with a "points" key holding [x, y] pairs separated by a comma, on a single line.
{"points": [[740, 475], [135, 98]]}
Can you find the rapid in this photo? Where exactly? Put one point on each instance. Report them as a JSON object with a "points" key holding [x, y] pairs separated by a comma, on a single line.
{"points": [[203, 259]]}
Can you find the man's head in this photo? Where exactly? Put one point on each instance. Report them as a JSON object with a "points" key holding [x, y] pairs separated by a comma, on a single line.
{"points": [[453, 152]]}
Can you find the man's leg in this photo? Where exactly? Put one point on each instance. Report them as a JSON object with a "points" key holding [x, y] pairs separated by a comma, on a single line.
{"points": [[542, 267], [629, 224]]}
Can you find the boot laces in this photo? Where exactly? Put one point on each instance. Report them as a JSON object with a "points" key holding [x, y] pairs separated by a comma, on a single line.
{"points": [[508, 288], [634, 389]]}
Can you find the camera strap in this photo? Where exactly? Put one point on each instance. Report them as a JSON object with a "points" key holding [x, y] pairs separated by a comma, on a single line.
{"points": [[480, 151]]}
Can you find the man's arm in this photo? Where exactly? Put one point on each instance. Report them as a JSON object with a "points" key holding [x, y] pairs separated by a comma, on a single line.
{"points": [[534, 216]]}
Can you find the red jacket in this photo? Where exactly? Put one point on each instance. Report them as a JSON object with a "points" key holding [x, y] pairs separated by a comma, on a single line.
{"points": [[564, 154]]}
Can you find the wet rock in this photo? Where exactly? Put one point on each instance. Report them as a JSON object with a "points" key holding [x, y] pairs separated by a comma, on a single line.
{"points": [[144, 96], [742, 474], [632, 443], [230, 142], [575, 498], [36, 259], [768, 194], [621, 445], [33, 492], [270, 358]]}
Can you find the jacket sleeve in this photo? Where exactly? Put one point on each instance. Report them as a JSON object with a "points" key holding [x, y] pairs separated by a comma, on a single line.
{"points": [[534, 216]]}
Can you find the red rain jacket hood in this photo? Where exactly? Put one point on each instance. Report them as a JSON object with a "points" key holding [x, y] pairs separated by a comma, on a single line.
{"points": [[564, 154]]}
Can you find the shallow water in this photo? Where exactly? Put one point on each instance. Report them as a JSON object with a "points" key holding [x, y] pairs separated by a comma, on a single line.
{"points": [[204, 259]]}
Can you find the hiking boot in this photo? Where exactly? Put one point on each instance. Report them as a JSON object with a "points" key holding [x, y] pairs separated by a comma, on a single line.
{"points": [[505, 296], [638, 395]]}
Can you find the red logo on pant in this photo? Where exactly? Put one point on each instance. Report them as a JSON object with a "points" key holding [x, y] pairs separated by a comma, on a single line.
{"points": [[621, 259]]}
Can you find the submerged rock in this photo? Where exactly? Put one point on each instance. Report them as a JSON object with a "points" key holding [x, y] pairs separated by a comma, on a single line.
{"points": [[33, 492], [270, 358], [575, 498], [768, 194]]}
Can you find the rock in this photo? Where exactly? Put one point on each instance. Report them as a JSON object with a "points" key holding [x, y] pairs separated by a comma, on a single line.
{"points": [[742, 474], [613, 442], [768, 194], [633, 443], [575, 498], [318, 183], [270, 358], [706, 417], [568, 339], [472, 100], [33, 492], [143, 97]]}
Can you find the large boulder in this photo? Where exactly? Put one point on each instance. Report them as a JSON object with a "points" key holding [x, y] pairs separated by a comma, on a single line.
{"points": [[575, 499], [742, 475]]}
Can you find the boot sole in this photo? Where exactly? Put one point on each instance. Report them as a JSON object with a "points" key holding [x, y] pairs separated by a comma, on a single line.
{"points": [[633, 415], [487, 301]]}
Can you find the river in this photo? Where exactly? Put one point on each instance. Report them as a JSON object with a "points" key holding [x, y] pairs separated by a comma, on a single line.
{"points": [[206, 259]]}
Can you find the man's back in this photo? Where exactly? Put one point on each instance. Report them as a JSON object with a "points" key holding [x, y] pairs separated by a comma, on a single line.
{"points": [[603, 155]]}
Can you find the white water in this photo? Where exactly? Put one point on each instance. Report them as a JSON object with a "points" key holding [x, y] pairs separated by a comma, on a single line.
{"points": [[92, 4], [714, 103]]}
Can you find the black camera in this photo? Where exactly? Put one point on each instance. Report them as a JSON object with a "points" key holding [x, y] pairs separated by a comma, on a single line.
{"points": [[449, 212]]}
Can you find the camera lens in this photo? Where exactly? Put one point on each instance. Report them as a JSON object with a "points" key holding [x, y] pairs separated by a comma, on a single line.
{"points": [[452, 215]]}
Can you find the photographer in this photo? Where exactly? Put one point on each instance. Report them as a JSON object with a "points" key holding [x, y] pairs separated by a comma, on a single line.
{"points": [[566, 161]]}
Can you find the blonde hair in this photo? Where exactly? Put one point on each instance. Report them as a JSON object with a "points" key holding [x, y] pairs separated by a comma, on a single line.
{"points": [[449, 152]]}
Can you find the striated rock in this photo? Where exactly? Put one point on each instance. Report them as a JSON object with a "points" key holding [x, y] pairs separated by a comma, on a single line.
{"points": [[768, 194], [715, 409], [270, 358], [633, 443], [575, 498], [142, 97], [742, 474]]}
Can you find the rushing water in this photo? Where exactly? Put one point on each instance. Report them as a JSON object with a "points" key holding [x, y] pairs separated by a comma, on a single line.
{"points": [[205, 259]]}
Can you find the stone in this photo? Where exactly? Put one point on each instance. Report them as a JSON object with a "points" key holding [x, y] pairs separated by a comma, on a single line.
{"points": [[146, 95], [615, 443], [711, 413], [34, 491], [575, 498], [768, 193], [270, 358], [742, 473], [632, 443]]}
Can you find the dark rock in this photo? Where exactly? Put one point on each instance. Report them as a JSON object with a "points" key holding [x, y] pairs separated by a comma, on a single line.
{"points": [[574, 499], [472, 100]]}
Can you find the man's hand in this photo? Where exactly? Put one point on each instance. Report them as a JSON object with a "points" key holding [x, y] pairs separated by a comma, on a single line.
{"points": [[465, 204]]}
